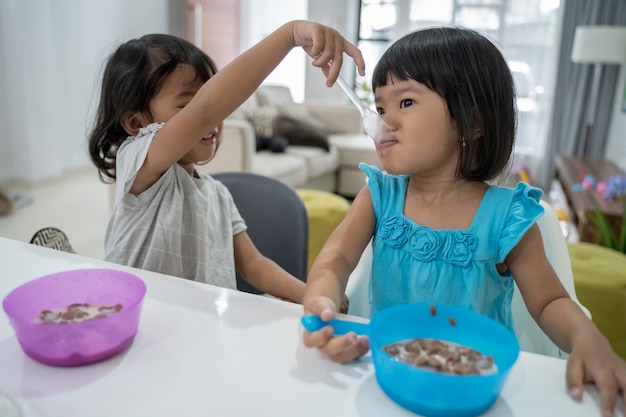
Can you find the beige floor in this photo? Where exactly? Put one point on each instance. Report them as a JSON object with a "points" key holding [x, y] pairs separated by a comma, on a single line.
{"points": [[77, 203]]}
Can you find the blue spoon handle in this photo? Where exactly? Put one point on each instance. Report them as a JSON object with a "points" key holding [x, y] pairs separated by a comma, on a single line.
{"points": [[314, 323]]}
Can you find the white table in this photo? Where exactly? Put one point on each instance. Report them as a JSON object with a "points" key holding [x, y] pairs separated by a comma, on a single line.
{"points": [[206, 351]]}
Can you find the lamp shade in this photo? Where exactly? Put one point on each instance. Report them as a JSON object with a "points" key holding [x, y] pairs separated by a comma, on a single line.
{"points": [[599, 44]]}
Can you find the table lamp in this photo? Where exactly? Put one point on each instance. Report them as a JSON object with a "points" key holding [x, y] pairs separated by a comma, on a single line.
{"points": [[598, 45]]}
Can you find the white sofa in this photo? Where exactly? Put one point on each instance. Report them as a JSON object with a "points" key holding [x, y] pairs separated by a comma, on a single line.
{"points": [[298, 166]]}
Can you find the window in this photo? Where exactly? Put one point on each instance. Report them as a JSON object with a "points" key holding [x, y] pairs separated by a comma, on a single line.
{"points": [[525, 30]]}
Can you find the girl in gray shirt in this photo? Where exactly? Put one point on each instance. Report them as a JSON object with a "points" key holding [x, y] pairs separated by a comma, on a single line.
{"points": [[161, 111]]}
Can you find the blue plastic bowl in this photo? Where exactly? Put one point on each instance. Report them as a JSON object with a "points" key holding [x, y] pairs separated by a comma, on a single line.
{"points": [[430, 393]]}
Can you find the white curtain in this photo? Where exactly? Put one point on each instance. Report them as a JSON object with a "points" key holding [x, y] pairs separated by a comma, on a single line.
{"points": [[51, 56], [568, 128]]}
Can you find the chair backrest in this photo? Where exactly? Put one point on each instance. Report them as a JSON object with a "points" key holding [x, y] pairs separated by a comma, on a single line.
{"points": [[529, 334], [274, 95], [53, 238], [276, 218]]}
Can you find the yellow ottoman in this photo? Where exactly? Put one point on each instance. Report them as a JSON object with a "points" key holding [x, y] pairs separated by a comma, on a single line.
{"points": [[325, 211], [600, 281]]}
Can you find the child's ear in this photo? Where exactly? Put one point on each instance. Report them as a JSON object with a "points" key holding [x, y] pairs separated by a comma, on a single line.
{"points": [[132, 122]]}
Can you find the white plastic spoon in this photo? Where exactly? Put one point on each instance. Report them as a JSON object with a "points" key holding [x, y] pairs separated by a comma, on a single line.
{"points": [[373, 125]]}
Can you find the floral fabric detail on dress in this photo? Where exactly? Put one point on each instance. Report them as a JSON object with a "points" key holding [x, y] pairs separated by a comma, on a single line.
{"points": [[395, 231], [459, 247], [425, 244]]}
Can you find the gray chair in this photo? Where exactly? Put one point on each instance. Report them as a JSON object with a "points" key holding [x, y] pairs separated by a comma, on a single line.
{"points": [[276, 218]]}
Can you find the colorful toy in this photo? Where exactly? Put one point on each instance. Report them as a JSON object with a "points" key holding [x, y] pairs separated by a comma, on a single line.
{"points": [[588, 182], [613, 187], [577, 187]]}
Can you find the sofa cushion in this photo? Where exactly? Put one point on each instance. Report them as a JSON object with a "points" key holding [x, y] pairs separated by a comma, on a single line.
{"points": [[273, 95], [290, 169], [354, 149], [275, 144], [318, 161], [279, 97], [262, 119], [301, 112], [300, 132]]}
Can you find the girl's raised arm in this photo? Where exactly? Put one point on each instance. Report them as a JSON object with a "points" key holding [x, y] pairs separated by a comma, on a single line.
{"points": [[231, 86]]}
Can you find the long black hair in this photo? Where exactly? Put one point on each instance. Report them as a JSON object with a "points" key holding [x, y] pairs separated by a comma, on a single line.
{"points": [[133, 75], [470, 74]]}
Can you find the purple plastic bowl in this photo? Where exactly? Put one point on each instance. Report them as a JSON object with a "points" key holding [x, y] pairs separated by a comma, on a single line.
{"points": [[78, 343]]}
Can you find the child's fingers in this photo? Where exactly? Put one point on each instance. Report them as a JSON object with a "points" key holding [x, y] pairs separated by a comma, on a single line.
{"points": [[621, 381], [608, 392], [346, 348], [323, 307], [574, 374], [610, 380], [605, 376], [356, 55], [317, 44], [317, 339], [329, 49], [326, 47], [317, 40], [336, 61], [331, 60]]}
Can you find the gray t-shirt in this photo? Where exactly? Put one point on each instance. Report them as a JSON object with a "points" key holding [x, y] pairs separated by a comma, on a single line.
{"points": [[181, 225]]}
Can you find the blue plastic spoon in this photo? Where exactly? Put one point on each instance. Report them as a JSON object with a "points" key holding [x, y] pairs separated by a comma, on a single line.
{"points": [[313, 323]]}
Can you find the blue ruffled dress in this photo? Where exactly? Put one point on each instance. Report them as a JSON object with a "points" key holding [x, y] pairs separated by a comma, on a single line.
{"points": [[414, 263]]}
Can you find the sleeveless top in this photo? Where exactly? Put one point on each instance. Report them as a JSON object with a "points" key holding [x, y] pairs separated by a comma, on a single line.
{"points": [[415, 263]]}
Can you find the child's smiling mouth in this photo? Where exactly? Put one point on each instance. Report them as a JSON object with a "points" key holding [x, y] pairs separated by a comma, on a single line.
{"points": [[212, 137]]}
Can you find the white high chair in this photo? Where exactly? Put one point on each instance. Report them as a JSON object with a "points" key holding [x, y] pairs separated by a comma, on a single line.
{"points": [[530, 336]]}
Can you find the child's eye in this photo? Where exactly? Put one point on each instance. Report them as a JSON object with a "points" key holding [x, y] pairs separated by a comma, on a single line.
{"points": [[182, 104], [380, 110], [406, 102]]}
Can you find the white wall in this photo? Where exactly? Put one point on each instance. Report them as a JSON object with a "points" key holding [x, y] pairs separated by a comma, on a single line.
{"points": [[616, 146], [51, 55], [342, 15], [259, 19]]}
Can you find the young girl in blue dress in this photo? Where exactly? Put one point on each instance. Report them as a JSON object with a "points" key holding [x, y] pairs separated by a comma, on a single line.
{"points": [[440, 232], [161, 111]]}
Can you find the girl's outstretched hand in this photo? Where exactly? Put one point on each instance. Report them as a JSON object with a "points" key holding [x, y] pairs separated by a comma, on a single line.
{"points": [[326, 46], [342, 349], [596, 362]]}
